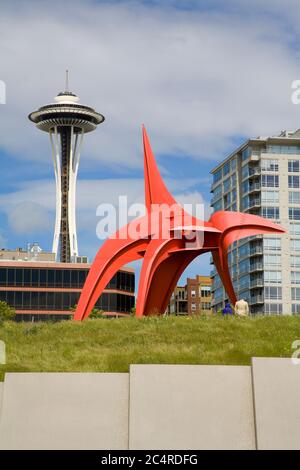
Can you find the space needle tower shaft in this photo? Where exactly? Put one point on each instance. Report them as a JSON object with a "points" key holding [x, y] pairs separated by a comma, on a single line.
{"points": [[66, 121]]}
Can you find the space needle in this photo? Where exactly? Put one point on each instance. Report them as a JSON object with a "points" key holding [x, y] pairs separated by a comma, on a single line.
{"points": [[66, 121]]}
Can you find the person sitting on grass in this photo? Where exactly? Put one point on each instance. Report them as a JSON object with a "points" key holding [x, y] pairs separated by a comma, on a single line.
{"points": [[227, 310]]}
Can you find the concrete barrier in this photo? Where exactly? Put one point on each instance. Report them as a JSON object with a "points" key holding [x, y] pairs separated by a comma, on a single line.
{"points": [[1, 395], [191, 407], [276, 385], [155, 407], [65, 411]]}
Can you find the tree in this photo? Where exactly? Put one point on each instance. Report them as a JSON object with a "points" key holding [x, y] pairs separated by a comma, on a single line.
{"points": [[6, 312], [95, 313]]}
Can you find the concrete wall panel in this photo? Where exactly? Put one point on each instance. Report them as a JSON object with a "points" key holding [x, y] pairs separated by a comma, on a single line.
{"points": [[276, 385], [191, 407], [65, 411]]}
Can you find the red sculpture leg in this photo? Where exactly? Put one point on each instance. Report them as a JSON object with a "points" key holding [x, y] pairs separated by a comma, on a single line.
{"points": [[114, 254]]}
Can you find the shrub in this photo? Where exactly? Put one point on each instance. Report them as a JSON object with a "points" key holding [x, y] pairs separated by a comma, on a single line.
{"points": [[6, 312]]}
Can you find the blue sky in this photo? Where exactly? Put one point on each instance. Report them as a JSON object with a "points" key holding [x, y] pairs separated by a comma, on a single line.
{"points": [[202, 75]]}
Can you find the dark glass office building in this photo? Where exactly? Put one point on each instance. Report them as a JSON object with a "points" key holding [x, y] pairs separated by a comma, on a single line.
{"points": [[48, 290]]}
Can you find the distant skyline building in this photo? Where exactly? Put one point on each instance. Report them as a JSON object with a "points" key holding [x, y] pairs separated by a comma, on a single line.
{"points": [[40, 289], [66, 121], [262, 177], [194, 298]]}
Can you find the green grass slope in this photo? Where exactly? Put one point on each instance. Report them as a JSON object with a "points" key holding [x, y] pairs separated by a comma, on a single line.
{"points": [[112, 345]]}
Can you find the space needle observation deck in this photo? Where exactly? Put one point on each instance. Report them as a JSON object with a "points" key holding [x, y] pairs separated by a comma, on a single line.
{"points": [[66, 121]]}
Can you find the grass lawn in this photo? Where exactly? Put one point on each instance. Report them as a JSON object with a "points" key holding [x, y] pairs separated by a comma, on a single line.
{"points": [[112, 345]]}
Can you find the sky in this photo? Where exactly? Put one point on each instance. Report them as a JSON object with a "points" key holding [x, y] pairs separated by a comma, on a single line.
{"points": [[203, 76]]}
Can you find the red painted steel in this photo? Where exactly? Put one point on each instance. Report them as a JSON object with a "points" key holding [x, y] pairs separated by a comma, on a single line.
{"points": [[166, 253]]}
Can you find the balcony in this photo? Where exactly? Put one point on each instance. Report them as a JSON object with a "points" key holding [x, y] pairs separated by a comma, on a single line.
{"points": [[254, 187], [254, 171], [259, 282], [257, 299], [256, 250], [256, 267], [256, 202]]}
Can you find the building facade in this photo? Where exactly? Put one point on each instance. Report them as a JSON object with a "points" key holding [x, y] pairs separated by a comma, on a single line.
{"points": [[262, 177], [47, 290], [192, 299]]}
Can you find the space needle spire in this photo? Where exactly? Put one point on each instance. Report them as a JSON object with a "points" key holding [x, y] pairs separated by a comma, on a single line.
{"points": [[66, 121]]}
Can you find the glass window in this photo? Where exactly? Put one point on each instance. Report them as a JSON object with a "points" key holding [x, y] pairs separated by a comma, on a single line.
{"points": [[244, 250], [74, 278], [34, 299], [295, 277], [272, 277], [58, 277], [270, 212], [245, 171], [295, 244], [226, 168], [293, 181], [245, 187], [295, 293], [269, 165], [244, 266], [286, 149], [273, 309], [35, 277], [246, 153], [26, 300], [217, 176], [294, 213], [43, 277], [293, 166], [295, 261], [66, 278], [245, 202], [218, 205], [233, 164], [51, 278], [19, 277], [270, 260], [18, 300], [27, 277], [273, 293], [217, 191], [270, 196], [294, 197], [226, 185], [11, 277], [81, 278], [295, 229], [3, 276], [50, 300], [295, 309], [244, 282], [272, 244], [270, 181]]}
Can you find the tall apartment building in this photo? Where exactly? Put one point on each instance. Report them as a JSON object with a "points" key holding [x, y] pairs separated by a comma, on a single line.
{"points": [[262, 177], [192, 299]]}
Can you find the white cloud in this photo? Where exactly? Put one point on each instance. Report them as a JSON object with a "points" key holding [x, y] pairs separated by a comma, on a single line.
{"points": [[196, 79], [30, 207], [29, 218]]}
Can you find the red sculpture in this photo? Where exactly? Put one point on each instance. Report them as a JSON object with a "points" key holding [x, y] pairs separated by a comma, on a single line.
{"points": [[168, 239]]}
